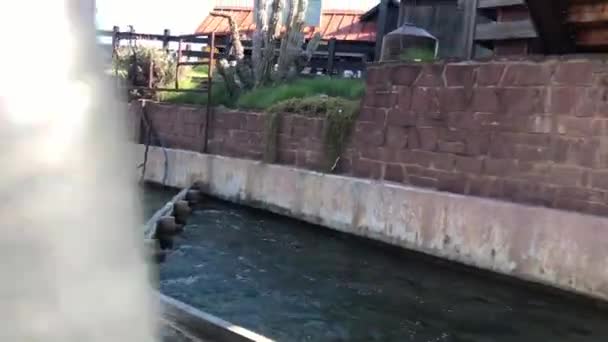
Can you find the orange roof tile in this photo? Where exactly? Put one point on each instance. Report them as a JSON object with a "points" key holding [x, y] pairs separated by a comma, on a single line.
{"points": [[339, 24]]}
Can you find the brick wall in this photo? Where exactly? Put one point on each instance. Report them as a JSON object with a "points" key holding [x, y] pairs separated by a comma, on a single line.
{"points": [[533, 132]]}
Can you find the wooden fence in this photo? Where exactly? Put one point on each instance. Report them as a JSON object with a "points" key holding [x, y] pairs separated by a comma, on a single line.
{"points": [[333, 57]]}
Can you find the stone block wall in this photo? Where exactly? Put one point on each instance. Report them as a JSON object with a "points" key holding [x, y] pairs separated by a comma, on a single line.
{"points": [[235, 133], [531, 132]]}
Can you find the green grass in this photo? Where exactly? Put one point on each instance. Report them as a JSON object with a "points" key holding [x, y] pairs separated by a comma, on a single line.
{"points": [[219, 96], [265, 97], [199, 71]]}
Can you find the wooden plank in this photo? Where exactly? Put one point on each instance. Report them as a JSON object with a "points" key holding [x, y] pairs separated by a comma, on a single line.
{"points": [[470, 14], [194, 63], [381, 28], [331, 51], [487, 4], [592, 37], [521, 29], [588, 13]]}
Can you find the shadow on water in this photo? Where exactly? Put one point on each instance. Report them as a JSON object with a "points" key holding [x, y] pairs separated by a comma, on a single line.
{"points": [[293, 281]]}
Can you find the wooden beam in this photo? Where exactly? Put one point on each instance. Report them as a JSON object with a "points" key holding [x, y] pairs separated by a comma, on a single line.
{"points": [[487, 4], [550, 23], [470, 17], [381, 28], [592, 37], [521, 29], [588, 13]]}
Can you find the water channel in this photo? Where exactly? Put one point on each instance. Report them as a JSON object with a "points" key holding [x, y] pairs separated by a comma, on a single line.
{"points": [[292, 281]]}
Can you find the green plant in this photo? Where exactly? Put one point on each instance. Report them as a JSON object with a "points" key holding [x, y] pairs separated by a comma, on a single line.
{"points": [[219, 96], [417, 55], [134, 64], [265, 97], [339, 113]]}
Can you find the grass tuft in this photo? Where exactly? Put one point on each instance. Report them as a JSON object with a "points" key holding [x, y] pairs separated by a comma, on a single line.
{"points": [[266, 97]]}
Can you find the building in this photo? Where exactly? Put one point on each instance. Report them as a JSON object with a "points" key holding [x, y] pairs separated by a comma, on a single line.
{"points": [[482, 28], [349, 30]]}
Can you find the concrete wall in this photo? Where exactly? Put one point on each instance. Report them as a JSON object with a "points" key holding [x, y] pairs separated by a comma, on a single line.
{"points": [[558, 248]]}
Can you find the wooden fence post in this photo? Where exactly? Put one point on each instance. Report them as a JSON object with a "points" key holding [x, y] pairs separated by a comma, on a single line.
{"points": [[166, 33], [331, 56], [151, 74], [209, 91], [179, 59], [115, 39]]}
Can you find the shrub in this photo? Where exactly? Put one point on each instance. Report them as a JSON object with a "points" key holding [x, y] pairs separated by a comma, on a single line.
{"points": [[339, 113], [265, 97], [133, 64]]}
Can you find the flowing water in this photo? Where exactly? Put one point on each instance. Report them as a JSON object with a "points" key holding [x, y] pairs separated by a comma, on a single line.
{"points": [[296, 282]]}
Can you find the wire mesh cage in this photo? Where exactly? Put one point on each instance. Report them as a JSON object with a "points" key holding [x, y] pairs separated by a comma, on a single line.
{"points": [[409, 43]]}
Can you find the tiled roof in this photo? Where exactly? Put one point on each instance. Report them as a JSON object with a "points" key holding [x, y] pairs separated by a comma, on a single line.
{"points": [[339, 24]]}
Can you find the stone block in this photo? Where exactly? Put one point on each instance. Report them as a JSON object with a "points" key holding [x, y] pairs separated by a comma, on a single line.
{"points": [[367, 168], [565, 100], [452, 147], [490, 74], [519, 74], [567, 175], [429, 137], [402, 118], [574, 73], [454, 99], [431, 75], [368, 134], [404, 99], [499, 167], [575, 126], [485, 100], [599, 179], [405, 75], [471, 165], [425, 100], [394, 173], [396, 137], [460, 75]]}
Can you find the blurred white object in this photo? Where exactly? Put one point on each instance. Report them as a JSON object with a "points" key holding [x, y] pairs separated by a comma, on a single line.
{"points": [[72, 265]]}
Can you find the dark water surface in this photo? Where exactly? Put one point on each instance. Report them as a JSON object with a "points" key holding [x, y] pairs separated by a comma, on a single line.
{"points": [[296, 282]]}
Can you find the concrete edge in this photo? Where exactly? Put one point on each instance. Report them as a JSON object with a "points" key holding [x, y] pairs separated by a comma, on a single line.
{"points": [[204, 325]]}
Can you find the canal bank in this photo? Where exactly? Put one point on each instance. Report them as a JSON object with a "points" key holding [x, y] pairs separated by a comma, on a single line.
{"points": [[551, 247]]}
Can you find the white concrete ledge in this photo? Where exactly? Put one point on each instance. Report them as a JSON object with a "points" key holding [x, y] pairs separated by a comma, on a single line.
{"points": [[557, 248], [203, 325]]}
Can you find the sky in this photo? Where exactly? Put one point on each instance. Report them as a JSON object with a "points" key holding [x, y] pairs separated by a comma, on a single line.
{"points": [[152, 16]]}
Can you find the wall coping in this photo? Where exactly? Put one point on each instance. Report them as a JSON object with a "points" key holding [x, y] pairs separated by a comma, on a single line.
{"points": [[601, 57]]}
